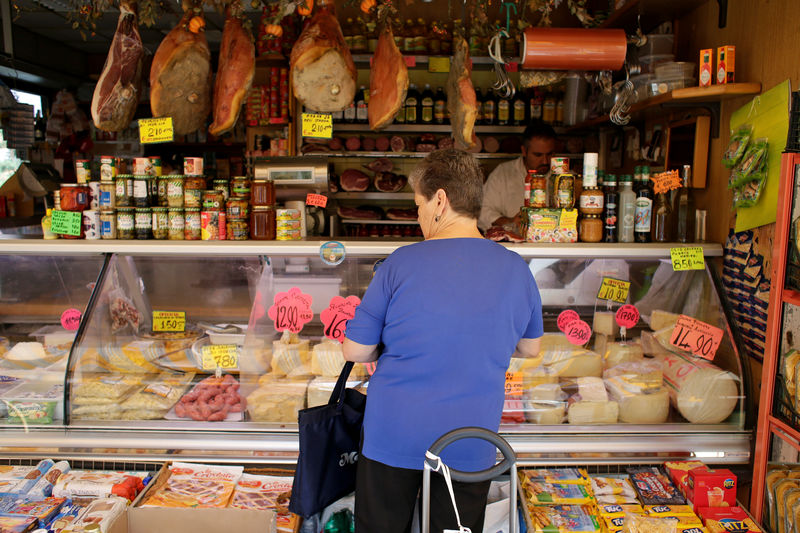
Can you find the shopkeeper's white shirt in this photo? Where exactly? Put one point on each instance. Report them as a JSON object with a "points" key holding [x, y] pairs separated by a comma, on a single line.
{"points": [[503, 192]]}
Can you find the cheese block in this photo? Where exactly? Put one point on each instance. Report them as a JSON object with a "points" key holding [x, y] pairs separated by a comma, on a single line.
{"points": [[592, 389], [545, 413], [277, 401], [290, 356], [702, 392], [581, 413], [574, 362], [545, 392], [622, 352], [605, 323], [636, 377], [650, 408], [662, 319], [601, 342], [651, 346], [540, 375]]}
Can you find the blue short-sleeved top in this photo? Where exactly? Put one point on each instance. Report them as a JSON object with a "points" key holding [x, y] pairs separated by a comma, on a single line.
{"points": [[450, 313]]}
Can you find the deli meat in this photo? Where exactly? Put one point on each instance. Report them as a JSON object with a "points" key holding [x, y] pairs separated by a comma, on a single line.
{"points": [[180, 77], [398, 144], [401, 214], [382, 164], [363, 212], [322, 69], [237, 66], [353, 180], [461, 100], [498, 233], [353, 144], [368, 144], [388, 81], [116, 94], [389, 182], [382, 144]]}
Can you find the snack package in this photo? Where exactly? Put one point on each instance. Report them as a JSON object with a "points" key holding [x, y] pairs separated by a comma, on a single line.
{"points": [[619, 510], [24, 485], [43, 510], [612, 485], [44, 487], [102, 511], [737, 145], [17, 524], [750, 192], [752, 162], [565, 476], [636, 523], [616, 499], [77, 483], [727, 519], [678, 472], [563, 519], [540, 493], [11, 476], [105, 388], [669, 510], [653, 487], [263, 492], [195, 485], [711, 488], [66, 516]]}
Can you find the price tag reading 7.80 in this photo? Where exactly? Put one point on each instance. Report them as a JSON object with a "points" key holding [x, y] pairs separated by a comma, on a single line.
{"points": [[697, 337], [335, 317], [223, 356], [615, 290], [291, 310]]}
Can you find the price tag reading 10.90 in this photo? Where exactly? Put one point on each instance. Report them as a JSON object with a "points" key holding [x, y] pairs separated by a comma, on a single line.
{"points": [[291, 310], [615, 290], [697, 337], [335, 317]]}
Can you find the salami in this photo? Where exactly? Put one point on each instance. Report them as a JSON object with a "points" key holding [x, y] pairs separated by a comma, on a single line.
{"points": [[353, 144], [398, 144], [368, 144], [382, 144]]}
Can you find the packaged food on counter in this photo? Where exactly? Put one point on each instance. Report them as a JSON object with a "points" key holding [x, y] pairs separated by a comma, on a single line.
{"points": [[563, 518], [727, 519], [267, 492], [541, 493], [66, 516], [102, 512], [157, 397], [44, 487], [678, 472], [43, 510], [612, 485], [711, 487], [653, 487], [11, 476], [105, 388], [565, 476], [25, 484], [34, 403], [616, 499], [615, 509], [636, 523], [277, 400], [95, 484], [213, 399], [194, 485], [669, 510], [17, 524], [550, 225]]}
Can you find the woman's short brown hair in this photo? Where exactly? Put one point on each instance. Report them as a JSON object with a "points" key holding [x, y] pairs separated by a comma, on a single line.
{"points": [[457, 173]]}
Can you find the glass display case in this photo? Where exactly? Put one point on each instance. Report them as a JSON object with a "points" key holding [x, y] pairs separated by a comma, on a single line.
{"points": [[186, 350]]}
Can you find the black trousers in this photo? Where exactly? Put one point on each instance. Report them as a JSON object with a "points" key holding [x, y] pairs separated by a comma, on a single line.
{"points": [[386, 495]]}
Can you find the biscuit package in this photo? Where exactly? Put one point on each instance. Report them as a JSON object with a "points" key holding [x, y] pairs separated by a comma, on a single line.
{"points": [[195, 485], [653, 487]]}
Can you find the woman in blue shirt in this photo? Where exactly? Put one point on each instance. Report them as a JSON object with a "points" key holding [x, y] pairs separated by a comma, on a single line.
{"points": [[450, 311]]}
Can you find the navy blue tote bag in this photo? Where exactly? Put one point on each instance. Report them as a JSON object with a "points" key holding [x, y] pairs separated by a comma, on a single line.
{"points": [[329, 442]]}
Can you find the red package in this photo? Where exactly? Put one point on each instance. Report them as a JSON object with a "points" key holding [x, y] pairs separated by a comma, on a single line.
{"points": [[653, 487], [679, 472], [725, 519], [711, 488]]}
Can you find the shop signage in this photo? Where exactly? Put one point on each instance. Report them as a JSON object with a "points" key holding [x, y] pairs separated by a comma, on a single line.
{"points": [[565, 317], [513, 383], [291, 310], [627, 316], [156, 130], [666, 181], [316, 200], [223, 356], [614, 290], [169, 320], [66, 222], [688, 258], [439, 64], [697, 337], [335, 317], [578, 332], [71, 319], [317, 125]]}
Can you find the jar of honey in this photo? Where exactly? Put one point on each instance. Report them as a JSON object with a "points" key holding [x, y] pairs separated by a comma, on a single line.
{"points": [[262, 223]]}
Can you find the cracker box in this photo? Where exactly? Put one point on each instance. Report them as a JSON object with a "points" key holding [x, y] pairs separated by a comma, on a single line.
{"points": [[678, 472], [727, 520], [711, 488], [726, 56]]}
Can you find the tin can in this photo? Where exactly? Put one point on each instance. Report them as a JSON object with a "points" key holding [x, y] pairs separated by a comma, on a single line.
{"points": [[108, 168], [143, 219], [94, 195], [107, 199], [287, 235], [141, 165], [108, 224], [559, 165], [160, 223], [125, 223], [193, 166], [162, 197], [91, 224], [175, 194], [123, 191], [155, 166], [176, 223], [213, 200], [288, 224], [238, 230], [212, 226], [191, 229], [74, 197], [287, 214], [83, 170], [57, 200]]}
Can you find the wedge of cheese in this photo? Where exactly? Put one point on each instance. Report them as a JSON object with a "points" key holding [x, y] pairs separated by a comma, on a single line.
{"points": [[662, 319], [622, 352], [583, 413], [546, 413], [605, 323]]}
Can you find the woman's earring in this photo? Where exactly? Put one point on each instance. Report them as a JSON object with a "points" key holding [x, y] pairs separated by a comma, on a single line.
{"points": [[436, 218]]}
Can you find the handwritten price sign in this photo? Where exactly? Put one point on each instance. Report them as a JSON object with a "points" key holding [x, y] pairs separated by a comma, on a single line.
{"points": [[169, 321], [224, 356], [318, 200], [688, 258], [66, 223], [697, 337], [156, 130], [317, 125], [578, 332], [291, 310], [615, 290], [71, 319], [565, 318], [666, 181], [627, 316], [335, 317], [513, 383]]}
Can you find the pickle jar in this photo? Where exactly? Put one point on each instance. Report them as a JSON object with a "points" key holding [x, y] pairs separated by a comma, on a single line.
{"points": [[143, 223], [564, 191], [238, 208], [262, 223], [191, 229], [160, 223], [123, 190], [141, 190], [162, 199], [193, 192], [240, 187], [175, 193], [238, 230], [107, 195], [222, 186], [125, 223], [176, 222]]}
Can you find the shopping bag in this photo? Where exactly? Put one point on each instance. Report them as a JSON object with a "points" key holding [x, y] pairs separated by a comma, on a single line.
{"points": [[329, 442]]}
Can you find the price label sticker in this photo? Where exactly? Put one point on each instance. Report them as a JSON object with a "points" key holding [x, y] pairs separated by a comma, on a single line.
{"points": [[578, 332], [513, 383], [666, 181], [317, 125], [411, 61], [565, 317], [71, 319], [438, 64], [169, 321], [66, 223], [335, 317], [317, 200], [156, 130], [291, 310], [688, 258], [569, 218], [627, 316], [697, 337], [615, 290], [224, 356]]}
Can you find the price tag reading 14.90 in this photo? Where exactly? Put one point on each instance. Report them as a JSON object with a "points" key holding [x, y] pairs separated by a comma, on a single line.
{"points": [[697, 337], [335, 317]]}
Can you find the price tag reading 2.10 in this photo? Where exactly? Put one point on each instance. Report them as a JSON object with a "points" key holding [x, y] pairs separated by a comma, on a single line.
{"points": [[335, 317], [291, 310], [317, 125], [697, 337]]}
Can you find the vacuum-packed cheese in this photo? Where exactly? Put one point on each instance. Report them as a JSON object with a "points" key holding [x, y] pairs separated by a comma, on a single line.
{"points": [[545, 413], [546, 392], [574, 363], [662, 319], [277, 401], [702, 392], [622, 352], [581, 413], [290, 356], [648, 408], [636, 377]]}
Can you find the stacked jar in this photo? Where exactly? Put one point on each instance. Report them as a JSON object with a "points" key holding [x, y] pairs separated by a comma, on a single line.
{"points": [[74, 197], [213, 216], [107, 199], [262, 214], [238, 210]]}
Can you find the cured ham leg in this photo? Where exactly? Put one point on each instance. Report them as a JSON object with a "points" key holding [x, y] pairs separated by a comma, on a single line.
{"points": [[388, 81], [180, 77], [237, 66], [116, 94], [461, 100]]}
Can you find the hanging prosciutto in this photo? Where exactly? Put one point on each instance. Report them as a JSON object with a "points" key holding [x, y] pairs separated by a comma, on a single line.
{"points": [[237, 66], [388, 81]]}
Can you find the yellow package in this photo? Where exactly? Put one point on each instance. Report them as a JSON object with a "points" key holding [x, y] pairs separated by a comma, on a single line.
{"points": [[564, 476], [692, 529], [610, 510], [540, 493], [612, 485], [686, 521], [669, 510], [616, 499], [563, 519]]}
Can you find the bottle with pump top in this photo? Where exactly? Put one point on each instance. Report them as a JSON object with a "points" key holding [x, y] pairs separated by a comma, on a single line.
{"points": [[627, 209], [610, 205], [427, 103], [412, 104], [684, 208], [440, 107], [644, 206]]}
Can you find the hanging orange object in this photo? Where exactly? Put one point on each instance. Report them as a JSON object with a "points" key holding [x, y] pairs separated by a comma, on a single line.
{"points": [[305, 10], [573, 49], [367, 5], [273, 29], [196, 24]]}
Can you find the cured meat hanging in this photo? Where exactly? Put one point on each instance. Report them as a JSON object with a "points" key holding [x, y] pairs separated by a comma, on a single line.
{"points": [[180, 77], [461, 100], [237, 66], [388, 81], [322, 69], [116, 94]]}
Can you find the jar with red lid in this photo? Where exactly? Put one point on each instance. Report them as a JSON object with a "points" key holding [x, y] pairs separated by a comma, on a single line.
{"points": [[262, 223], [74, 197], [262, 193]]}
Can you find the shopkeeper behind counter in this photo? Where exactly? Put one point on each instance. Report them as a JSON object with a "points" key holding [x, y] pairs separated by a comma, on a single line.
{"points": [[504, 190]]}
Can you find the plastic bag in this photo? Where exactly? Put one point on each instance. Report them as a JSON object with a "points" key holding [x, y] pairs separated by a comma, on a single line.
{"points": [[737, 145], [752, 166], [750, 192]]}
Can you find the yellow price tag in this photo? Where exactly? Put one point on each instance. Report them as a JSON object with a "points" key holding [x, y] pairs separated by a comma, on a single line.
{"points": [[689, 258], [569, 218], [319, 125], [224, 356], [156, 130], [169, 321], [438, 64], [615, 290], [513, 383]]}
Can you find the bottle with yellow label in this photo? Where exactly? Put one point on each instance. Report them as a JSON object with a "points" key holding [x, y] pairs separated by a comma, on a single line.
{"points": [[47, 221]]}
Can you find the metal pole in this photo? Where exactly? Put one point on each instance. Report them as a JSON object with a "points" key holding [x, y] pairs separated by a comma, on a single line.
{"points": [[425, 525], [5, 13]]}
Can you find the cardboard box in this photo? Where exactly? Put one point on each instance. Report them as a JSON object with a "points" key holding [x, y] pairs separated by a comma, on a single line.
{"points": [[726, 62], [706, 75], [711, 488], [550, 225], [678, 472], [727, 519]]}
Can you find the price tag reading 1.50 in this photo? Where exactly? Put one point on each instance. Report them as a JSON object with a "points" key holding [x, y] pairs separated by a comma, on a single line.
{"points": [[697, 337], [224, 356], [688, 258], [169, 321], [615, 290]]}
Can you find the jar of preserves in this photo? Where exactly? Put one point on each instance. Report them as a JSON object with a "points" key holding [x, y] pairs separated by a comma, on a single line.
{"points": [[262, 223], [108, 224], [162, 199], [123, 190], [590, 201], [160, 223], [213, 200], [143, 223], [125, 223], [176, 223], [240, 187], [538, 198], [222, 186], [591, 228], [191, 228], [262, 193], [175, 191], [74, 197], [564, 191], [193, 192], [141, 190], [238, 230], [238, 208], [107, 198]]}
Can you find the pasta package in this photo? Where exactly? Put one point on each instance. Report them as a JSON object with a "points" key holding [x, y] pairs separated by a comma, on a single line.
{"points": [[106, 386], [102, 511], [540, 493], [195, 485]]}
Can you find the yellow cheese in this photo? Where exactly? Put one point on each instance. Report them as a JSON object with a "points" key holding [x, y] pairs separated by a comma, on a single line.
{"points": [[581, 413], [576, 363], [592, 389], [662, 319], [546, 392], [605, 323], [545, 413], [644, 408], [622, 352], [601, 342], [277, 401]]}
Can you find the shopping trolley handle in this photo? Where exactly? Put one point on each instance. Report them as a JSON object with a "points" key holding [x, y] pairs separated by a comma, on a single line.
{"points": [[509, 458]]}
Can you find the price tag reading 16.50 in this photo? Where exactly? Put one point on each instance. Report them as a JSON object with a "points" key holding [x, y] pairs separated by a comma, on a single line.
{"points": [[224, 356], [697, 337], [169, 321], [335, 317], [615, 290], [291, 310]]}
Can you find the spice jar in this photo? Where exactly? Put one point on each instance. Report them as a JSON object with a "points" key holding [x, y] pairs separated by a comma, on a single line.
{"points": [[238, 230], [143, 223], [108, 224], [591, 228], [538, 183], [160, 223], [123, 190], [222, 186], [193, 191], [141, 190], [175, 191], [176, 224], [191, 228], [125, 223], [238, 208], [108, 195], [213, 200], [262, 223], [74, 197], [565, 191], [262, 193]]}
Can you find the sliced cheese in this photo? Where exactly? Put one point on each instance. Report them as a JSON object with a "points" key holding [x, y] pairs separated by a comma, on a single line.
{"points": [[601, 342], [579, 363], [605, 323], [636, 377], [581, 413], [662, 319], [622, 352]]}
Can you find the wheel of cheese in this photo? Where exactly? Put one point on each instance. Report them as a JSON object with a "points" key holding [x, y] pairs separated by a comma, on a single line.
{"points": [[702, 393], [644, 408]]}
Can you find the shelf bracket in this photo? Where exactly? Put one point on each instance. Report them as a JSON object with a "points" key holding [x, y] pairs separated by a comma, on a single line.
{"points": [[713, 109], [723, 13]]}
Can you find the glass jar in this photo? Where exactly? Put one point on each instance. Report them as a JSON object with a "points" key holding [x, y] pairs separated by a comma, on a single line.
{"points": [[238, 230], [176, 224], [161, 191], [141, 190], [591, 201], [193, 192], [143, 223], [591, 228], [213, 200], [175, 191], [240, 187], [222, 186], [123, 190], [108, 195], [74, 197], [238, 208], [262, 223], [108, 224], [160, 223], [538, 190], [262, 193], [191, 229], [564, 191], [125, 223]]}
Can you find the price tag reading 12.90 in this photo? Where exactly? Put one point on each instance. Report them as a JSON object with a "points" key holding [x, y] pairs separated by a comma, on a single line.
{"points": [[335, 317], [615, 290], [291, 310], [697, 337]]}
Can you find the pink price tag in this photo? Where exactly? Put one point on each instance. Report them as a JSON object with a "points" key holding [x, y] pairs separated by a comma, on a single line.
{"points": [[411, 61], [71, 319], [318, 200], [291, 310], [565, 318], [512, 67], [627, 316], [335, 317], [697, 337], [578, 332]]}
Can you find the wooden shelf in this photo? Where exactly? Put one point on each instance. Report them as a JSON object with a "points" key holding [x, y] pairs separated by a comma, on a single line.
{"points": [[373, 196], [652, 13], [406, 155], [791, 432], [425, 128], [368, 221], [422, 60]]}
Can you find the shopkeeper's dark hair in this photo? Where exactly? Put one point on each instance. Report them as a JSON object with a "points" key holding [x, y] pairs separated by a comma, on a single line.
{"points": [[538, 130], [457, 173]]}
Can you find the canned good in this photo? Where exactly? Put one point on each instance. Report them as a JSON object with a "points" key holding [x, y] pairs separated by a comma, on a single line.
{"points": [[212, 225], [288, 224], [125, 223], [107, 197], [287, 214], [222, 186], [193, 192], [160, 223], [213, 200], [193, 166], [559, 165], [238, 230], [108, 168], [91, 224], [162, 198], [123, 190], [262, 223], [144, 223], [176, 224], [141, 165], [155, 166], [191, 228], [263, 192], [74, 197], [108, 224], [83, 170], [288, 235], [94, 194], [238, 208], [175, 191]]}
